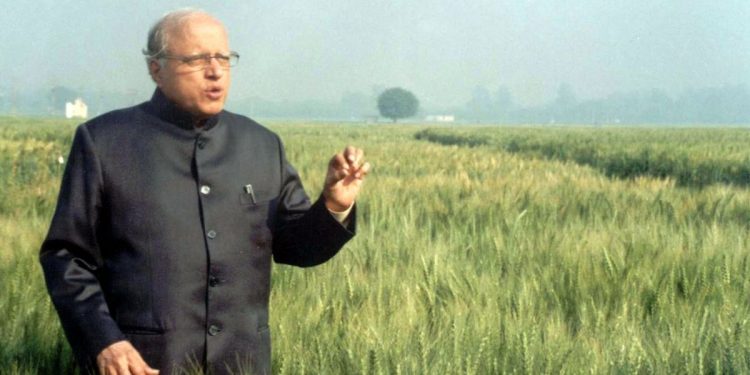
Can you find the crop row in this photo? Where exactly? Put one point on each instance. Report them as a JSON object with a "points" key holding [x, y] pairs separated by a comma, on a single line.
{"points": [[690, 157]]}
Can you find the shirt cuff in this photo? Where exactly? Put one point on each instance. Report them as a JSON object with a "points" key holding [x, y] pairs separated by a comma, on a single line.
{"points": [[342, 215]]}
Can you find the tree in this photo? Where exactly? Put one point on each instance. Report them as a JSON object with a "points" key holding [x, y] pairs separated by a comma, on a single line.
{"points": [[564, 109], [396, 103], [355, 104], [58, 96], [503, 104], [565, 96], [503, 99], [480, 106]]}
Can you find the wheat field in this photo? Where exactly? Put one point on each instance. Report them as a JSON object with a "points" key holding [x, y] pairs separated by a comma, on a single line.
{"points": [[480, 250]]}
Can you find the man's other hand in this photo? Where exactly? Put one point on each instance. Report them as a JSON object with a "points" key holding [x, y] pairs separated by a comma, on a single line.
{"points": [[121, 358], [346, 172]]}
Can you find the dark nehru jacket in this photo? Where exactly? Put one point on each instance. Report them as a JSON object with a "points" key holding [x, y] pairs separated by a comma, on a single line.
{"points": [[164, 235]]}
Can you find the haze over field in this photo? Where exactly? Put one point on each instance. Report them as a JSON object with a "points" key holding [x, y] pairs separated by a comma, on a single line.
{"points": [[297, 50], [481, 249]]}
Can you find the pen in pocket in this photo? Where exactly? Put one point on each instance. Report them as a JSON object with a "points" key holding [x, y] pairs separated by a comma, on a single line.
{"points": [[249, 191]]}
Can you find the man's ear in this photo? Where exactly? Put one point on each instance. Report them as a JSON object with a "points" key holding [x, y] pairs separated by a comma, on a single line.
{"points": [[154, 69]]}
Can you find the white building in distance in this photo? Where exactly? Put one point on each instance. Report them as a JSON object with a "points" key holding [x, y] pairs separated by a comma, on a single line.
{"points": [[77, 109], [440, 118]]}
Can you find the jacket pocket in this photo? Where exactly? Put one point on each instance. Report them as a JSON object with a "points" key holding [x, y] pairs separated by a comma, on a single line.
{"points": [[132, 330], [251, 195], [150, 344]]}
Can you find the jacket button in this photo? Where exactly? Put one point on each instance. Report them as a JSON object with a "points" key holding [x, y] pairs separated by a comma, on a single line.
{"points": [[205, 189], [214, 330], [213, 281], [202, 143], [211, 234]]}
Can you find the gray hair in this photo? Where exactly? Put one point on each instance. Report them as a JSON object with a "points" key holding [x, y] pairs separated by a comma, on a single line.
{"points": [[158, 35]]}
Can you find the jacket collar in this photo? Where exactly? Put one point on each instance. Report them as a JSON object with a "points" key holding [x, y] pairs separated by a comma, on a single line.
{"points": [[166, 110]]}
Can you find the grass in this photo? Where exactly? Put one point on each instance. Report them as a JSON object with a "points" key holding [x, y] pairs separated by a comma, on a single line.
{"points": [[470, 258], [692, 157]]}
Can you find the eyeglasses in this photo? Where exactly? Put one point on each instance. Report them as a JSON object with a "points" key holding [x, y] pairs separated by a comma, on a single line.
{"points": [[203, 60]]}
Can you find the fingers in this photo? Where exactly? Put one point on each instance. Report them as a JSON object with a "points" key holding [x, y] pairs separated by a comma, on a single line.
{"points": [[139, 367], [350, 153], [113, 360], [362, 172], [347, 163], [339, 167], [118, 368], [121, 358], [353, 156]]}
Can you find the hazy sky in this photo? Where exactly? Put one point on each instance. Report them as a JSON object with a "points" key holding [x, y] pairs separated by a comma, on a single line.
{"points": [[439, 49]]}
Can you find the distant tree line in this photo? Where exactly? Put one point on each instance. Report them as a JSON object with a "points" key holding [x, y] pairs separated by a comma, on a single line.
{"points": [[51, 102], [716, 105]]}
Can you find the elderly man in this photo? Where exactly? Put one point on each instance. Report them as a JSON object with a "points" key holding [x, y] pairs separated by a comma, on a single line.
{"points": [[159, 254]]}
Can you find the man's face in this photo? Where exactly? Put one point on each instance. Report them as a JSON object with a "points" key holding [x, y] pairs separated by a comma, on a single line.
{"points": [[201, 92]]}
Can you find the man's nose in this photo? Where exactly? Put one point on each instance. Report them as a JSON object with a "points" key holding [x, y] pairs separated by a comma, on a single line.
{"points": [[214, 69]]}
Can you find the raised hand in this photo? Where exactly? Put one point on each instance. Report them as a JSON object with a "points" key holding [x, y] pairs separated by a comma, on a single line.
{"points": [[346, 173]]}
